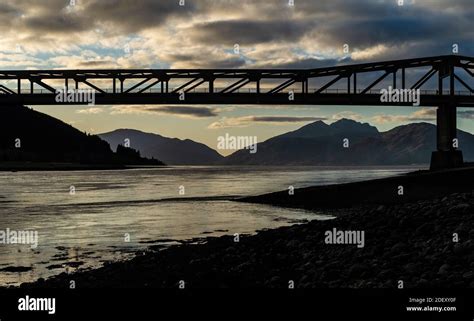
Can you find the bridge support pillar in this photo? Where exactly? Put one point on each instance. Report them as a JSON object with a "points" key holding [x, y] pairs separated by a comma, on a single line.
{"points": [[447, 155]]}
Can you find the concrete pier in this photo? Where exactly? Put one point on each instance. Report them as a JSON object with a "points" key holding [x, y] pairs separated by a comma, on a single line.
{"points": [[447, 155]]}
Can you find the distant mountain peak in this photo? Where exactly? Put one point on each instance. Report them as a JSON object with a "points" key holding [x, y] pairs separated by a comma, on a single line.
{"points": [[352, 127], [342, 126], [346, 121], [349, 122], [132, 131], [315, 124], [313, 129], [173, 151]]}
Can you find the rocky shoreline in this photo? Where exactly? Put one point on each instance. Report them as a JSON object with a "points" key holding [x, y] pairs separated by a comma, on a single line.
{"points": [[412, 242], [411, 187]]}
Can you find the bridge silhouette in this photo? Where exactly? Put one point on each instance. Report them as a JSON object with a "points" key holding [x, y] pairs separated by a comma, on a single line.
{"points": [[442, 81]]}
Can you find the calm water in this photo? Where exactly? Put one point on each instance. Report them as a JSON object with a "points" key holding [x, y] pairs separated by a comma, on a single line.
{"points": [[88, 228]]}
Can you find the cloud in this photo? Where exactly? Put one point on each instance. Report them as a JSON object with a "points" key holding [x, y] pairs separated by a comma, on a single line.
{"points": [[370, 52], [466, 114], [54, 23], [285, 62], [8, 13], [347, 115], [92, 110], [424, 114], [227, 122], [249, 32], [202, 33], [134, 16], [180, 111], [206, 59]]}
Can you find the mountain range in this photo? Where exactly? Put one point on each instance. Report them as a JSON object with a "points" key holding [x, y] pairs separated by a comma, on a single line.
{"points": [[317, 143], [42, 138], [321, 144]]}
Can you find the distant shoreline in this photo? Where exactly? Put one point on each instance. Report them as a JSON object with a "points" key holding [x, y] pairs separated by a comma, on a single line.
{"points": [[30, 167]]}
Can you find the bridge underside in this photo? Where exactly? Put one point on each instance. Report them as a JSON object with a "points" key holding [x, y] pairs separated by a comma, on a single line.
{"points": [[239, 99]]}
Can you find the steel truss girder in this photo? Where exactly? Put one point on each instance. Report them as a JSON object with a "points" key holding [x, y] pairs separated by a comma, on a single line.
{"points": [[424, 79], [235, 73], [463, 83], [445, 66]]}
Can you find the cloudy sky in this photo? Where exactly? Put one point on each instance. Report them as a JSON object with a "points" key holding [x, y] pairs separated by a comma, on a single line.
{"points": [[54, 34]]}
